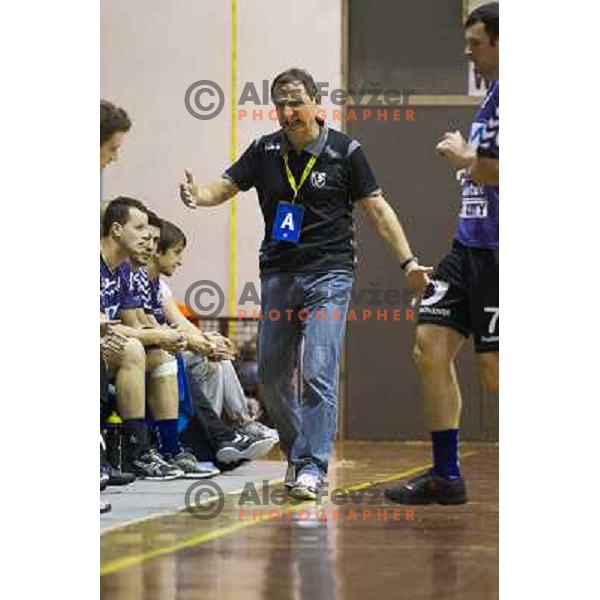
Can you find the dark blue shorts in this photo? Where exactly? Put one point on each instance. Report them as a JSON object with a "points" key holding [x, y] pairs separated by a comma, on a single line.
{"points": [[464, 296]]}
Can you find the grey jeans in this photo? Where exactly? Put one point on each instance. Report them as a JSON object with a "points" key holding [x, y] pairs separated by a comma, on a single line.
{"points": [[219, 383]]}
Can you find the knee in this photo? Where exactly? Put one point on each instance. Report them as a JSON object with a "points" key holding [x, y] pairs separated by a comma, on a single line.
{"points": [[133, 354], [429, 355], [161, 364], [156, 357]]}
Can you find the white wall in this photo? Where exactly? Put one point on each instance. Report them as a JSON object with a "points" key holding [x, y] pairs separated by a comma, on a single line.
{"points": [[151, 52]]}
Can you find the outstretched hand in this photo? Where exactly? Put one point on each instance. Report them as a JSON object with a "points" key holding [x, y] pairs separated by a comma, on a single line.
{"points": [[188, 191]]}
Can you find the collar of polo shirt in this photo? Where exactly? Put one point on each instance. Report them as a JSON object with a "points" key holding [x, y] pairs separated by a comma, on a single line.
{"points": [[315, 148]]}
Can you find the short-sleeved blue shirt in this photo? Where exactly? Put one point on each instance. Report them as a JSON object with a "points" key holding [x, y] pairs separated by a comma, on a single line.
{"points": [[115, 290]]}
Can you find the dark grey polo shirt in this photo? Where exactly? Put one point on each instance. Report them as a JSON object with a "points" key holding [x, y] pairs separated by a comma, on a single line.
{"points": [[340, 176]]}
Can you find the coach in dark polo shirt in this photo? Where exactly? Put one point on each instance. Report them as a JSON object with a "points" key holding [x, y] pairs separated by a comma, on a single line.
{"points": [[308, 178]]}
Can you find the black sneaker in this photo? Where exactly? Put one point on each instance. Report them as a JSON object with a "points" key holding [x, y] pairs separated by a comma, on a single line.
{"points": [[104, 478], [244, 447], [151, 465], [191, 467], [429, 488], [105, 507], [117, 477]]}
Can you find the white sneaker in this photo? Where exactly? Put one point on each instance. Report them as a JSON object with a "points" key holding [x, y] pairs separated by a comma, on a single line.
{"points": [[306, 487], [257, 429]]}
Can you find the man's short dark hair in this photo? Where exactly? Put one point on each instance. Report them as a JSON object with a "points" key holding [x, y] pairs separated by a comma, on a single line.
{"points": [[112, 120], [488, 14], [296, 75], [153, 219], [118, 212], [170, 235]]}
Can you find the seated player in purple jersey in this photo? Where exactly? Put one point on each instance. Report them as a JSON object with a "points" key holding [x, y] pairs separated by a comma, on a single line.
{"points": [[462, 298], [125, 232], [211, 373], [225, 445], [164, 341]]}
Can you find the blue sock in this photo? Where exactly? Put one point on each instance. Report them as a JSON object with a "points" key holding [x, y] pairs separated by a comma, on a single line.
{"points": [[445, 453], [168, 438], [135, 423]]}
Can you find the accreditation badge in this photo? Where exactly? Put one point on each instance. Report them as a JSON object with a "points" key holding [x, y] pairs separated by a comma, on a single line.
{"points": [[288, 222]]}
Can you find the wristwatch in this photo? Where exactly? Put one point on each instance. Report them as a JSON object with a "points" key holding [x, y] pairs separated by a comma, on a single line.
{"points": [[411, 259]]}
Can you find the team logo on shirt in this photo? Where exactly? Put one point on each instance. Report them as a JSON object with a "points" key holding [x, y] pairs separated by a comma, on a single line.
{"points": [[474, 208], [317, 179], [477, 131]]}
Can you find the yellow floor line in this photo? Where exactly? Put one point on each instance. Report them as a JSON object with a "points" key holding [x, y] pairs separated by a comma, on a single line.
{"points": [[203, 538]]}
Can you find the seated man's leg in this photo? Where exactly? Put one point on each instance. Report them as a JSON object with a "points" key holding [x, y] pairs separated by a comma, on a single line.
{"points": [[207, 377], [235, 404], [163, 399], [129, 372], [226, 445], [199, 371], [234, 400]]}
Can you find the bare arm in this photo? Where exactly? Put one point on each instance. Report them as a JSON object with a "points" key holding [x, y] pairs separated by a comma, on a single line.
{"points": [[211, 194], [177, 318], [169, 340], [385, 221], [486, 171], [196, 340], [388, 226]]}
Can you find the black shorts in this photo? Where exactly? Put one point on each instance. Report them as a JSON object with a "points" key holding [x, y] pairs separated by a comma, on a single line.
{"points": [[464, 296]]}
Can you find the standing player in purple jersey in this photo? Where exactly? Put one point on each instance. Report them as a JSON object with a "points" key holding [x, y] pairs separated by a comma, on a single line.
{"points": [[462, 298]]}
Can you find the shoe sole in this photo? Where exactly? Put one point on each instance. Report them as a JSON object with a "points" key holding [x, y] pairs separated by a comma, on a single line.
{"points": [[199, 475], [302, 494], [453, 502], [120, 483], [160, 478], [254, 451], [425, 501]]}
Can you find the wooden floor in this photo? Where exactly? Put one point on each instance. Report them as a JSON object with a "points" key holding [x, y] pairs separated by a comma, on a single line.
{"points": [[345, 549]]}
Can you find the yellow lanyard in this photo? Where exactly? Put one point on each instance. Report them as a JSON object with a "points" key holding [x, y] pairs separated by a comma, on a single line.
{"points": [[305, 174]]}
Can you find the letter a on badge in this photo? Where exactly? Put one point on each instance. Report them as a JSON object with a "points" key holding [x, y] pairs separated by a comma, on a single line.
{"points": [[288, 222]]}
